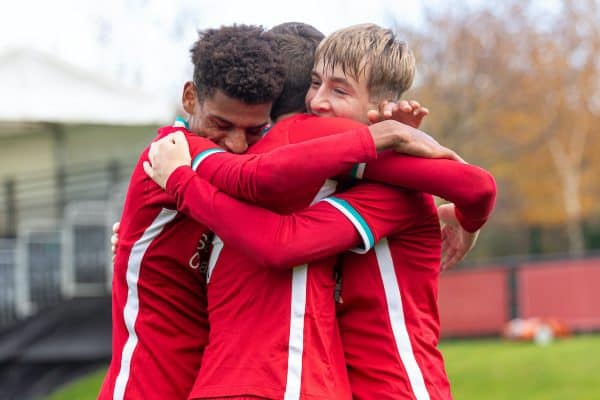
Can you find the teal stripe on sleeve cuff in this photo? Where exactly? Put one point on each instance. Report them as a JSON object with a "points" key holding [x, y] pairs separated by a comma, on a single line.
{"points": [[180, 121], [357, 220], [203, 155]]}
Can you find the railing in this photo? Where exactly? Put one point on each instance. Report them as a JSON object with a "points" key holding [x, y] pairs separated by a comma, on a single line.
{"points": [[59, 227], [45, 195], [8, 312]]}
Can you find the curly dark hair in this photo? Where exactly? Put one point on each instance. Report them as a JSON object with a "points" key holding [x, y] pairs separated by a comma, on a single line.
{"points": [[240, 60], [297, 43]]}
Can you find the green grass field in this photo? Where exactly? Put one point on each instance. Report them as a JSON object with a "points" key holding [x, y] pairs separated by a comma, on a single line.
{"points": [[485, 370]]}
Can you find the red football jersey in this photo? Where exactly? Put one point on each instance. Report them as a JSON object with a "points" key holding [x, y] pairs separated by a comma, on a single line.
{"points": [[159, 310], [273, 330], [471, 188], [159, 306], [389, 317]]}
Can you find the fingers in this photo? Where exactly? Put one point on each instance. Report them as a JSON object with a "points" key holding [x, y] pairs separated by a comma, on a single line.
{"points": [[387, 108], [114, 241], [447, 259], [115, 227], [452, 155], [447, 216], [177, 137], [153, 149], [450, 262], [148, 169], [404, 106], [450, 257], [374, 116]]}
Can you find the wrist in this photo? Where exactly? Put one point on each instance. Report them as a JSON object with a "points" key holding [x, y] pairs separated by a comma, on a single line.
{"points": [[387, 135], [178, 178]]}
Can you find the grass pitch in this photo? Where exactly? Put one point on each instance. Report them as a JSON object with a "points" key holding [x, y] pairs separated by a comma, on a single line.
{"points": [[484, 370]]}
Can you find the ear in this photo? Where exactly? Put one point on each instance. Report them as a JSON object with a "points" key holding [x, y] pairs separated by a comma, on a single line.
{"points": [[189, 97]]}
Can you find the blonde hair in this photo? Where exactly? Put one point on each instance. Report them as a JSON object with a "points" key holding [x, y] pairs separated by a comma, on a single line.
{"points": [[374, 52]]}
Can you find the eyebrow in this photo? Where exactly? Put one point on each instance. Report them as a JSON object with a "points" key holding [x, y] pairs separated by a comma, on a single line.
{"points": [[227, 122], [219, 119], [335, 79], [345, 81]]}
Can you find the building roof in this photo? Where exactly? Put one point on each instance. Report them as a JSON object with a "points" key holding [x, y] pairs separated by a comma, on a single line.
{"points": [[38, 87]]}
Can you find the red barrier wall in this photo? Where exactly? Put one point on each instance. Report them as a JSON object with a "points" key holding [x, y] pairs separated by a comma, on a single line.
{"points": [[473, 302], [568, 290]]}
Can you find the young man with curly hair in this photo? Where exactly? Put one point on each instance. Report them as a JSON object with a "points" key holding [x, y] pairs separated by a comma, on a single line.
{"points": [[245, 313], [160, 326]]}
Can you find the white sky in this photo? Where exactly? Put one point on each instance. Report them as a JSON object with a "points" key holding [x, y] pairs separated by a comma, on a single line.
{"points": [[144, 43]]}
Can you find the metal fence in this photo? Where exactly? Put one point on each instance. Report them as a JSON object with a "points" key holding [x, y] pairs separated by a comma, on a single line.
{"points": [[8, 312], [38, 266], [59, 248], [45, 195], [58, 228]]}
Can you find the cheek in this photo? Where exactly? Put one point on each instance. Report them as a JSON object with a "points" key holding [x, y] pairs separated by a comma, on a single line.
{"points": [[216, 136], [309, 97], [251, 139], [342, 109], [352, 110]]}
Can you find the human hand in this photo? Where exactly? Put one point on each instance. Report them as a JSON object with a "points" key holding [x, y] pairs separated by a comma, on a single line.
{"points": [[408, 112], [390, 134], [166, 155], [456, 242], [114, 239]]}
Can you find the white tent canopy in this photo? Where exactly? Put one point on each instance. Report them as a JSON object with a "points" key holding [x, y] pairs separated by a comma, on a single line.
{"points": [[39, 88]]}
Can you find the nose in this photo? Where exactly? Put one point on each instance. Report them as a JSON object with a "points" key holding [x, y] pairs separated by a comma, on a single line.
{"points": [[319, 103], [236, 142]]}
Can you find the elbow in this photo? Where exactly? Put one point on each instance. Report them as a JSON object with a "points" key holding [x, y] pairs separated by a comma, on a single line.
{"points": [[484, 192], [488, 192]]}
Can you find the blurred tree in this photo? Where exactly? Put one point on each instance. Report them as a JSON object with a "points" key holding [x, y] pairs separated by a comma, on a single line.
{"points": [[516, 89]]}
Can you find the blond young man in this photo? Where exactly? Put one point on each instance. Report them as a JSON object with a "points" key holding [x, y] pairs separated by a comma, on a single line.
{"points": [[389, 318]]}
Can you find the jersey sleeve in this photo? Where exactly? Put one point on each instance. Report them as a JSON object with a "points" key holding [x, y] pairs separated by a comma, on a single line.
{"points": [[284, 241], [262, 177], [378, 210], [470, 188], [201, 148]]}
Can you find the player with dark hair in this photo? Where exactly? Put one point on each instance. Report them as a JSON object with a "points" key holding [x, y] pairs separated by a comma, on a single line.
{"points": [[297, 43], [160, 325]]}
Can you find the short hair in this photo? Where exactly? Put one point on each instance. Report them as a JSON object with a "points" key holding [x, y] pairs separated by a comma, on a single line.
{"points": [[240, 60], [297, 43], [372, 51]]}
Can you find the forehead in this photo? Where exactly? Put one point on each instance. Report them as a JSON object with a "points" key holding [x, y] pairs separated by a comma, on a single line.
{"points": [[235, 111], [338, 74]]}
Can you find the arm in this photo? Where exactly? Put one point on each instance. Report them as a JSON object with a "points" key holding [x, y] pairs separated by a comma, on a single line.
{"points": [[259, 177], [470, 188], [324, 229]]}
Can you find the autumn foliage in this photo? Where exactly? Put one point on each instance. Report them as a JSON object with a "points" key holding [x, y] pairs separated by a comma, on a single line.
{"points": [[516, 89]]}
